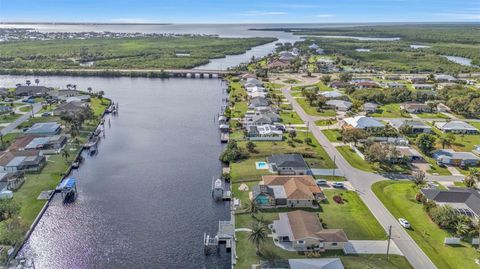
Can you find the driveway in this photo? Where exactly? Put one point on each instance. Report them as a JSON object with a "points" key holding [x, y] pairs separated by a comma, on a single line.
{"points": [[371, 247], [362, 182]]}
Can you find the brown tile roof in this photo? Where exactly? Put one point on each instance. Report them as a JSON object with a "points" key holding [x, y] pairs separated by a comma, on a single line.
{"points": [[6, 157], [22, 142], [296, 187], [306, 224]]}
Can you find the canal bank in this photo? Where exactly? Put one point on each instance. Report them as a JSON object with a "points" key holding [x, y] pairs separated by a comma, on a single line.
{"points": [[145, 200]]}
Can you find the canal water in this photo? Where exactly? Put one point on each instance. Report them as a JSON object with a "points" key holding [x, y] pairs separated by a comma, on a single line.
{"points": [[144, 200]]}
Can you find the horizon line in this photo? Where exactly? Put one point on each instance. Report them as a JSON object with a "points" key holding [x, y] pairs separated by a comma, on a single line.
{"points": [[236, 23]]}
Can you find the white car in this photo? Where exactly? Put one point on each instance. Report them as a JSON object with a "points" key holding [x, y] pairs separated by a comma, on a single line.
{"points": [[404, 223]]}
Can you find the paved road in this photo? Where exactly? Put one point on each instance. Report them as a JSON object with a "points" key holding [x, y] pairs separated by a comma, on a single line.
{"points": [[36, 107], [362, 182]]}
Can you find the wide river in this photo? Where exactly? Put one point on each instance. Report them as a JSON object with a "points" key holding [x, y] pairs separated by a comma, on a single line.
{"points": [[144, 201]]}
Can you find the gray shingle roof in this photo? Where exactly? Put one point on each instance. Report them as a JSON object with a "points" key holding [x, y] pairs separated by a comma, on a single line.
{"points": [[288, 160], [455, 195]]}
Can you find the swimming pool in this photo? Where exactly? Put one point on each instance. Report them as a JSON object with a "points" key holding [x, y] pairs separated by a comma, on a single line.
{"points": [[261, 165]]}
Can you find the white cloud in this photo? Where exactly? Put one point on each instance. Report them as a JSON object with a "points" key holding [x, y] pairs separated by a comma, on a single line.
{"points": [[324, 16], [300, 6]]}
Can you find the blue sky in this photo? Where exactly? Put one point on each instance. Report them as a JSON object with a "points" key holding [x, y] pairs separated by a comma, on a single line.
{"points": [[238, 11]]}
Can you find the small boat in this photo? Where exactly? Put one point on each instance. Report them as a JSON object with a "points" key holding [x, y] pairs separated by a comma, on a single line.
{"points": [[93, 142], [93, 150], [69, 196], [68, 188], [97, 132], [75, 165]]}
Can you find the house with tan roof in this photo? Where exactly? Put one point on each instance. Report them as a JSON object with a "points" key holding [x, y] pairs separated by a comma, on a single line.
{"points": [[302, 231], [287, 191]]}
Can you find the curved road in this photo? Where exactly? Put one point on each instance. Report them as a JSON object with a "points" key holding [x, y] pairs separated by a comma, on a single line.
{"points": [[362, 182]]}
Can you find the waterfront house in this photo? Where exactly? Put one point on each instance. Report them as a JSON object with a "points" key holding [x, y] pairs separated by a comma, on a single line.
{"points": [[258, 102], [70, 108], [339, 105], [313, 46], [414, 126], [288, 164], [28, 160], [451, 157], [12, 180], [278, 64], [370, 107], [287, 56], [317, 263], [252, 82], [456, 126], [415, 107], [78, 98], [32, 90], [287, 191], [44, 128], [464, 201], [302, 231], [62, 94], [331, 94], [361, 122], [265, 132], [46, 144], [423, 86]]}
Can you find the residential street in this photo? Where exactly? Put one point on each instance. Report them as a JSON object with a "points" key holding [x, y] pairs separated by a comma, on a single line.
{"points": [[362, 182], [36, 107]]}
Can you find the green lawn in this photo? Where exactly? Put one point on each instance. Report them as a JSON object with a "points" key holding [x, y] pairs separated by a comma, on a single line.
{"points": [[390, 111], [399, 198], [353, 159], [290, 117], [325, 122], [432, 115], [245, 170], [353, 216], [27, 108], [7, 118], [313, 111], [333, 135]]}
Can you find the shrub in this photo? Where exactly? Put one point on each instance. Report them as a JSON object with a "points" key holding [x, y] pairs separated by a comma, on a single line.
{"points": [[420, 198], [338, 199]]}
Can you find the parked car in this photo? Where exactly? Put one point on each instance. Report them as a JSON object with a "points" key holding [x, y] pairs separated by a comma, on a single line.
{"points": [[338, 185], [46, 114], [321, 182], [404, 223]]}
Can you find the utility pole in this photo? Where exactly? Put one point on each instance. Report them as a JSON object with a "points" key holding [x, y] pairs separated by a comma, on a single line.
{"points": [[333, 170], [389, 238], [308, 128]]}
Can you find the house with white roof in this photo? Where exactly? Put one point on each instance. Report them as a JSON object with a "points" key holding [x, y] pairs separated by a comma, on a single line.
{"points": [[361, 122], [331, 94], [451, 157], [456, 126]]}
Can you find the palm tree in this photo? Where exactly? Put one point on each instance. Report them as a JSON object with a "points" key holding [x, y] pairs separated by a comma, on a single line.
{"points": [[258, 235], [28, 82], [65, 155], [89, 89], [37, 81], [252, 207]]}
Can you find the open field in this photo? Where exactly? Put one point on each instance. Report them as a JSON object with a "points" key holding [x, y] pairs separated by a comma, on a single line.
{"points": [[390, 111], [399, 198], [124, 53], [333, 135]]}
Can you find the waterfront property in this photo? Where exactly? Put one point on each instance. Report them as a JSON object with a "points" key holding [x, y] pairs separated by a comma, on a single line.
{"points": [[302, 231], [287, 191], [46, 144], [288, 164], [44, 128], [32, 90], [27, 160], [72, 107]]}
